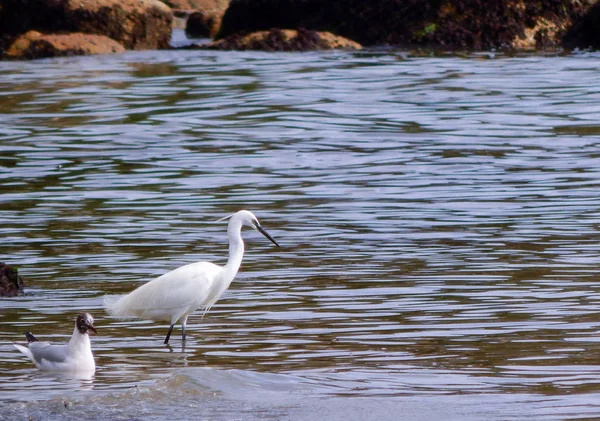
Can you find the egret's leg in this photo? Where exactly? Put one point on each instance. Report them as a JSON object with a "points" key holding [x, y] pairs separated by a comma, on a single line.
{"points": [[183, 323], [169, 333]]}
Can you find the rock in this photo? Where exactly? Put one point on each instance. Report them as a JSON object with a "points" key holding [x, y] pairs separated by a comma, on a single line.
{"points": [[471, 24], [20, 16], [191, 5], [203, 24], [283, 40], [35, 45], [544, 34], [203, 16], [585, 32], [136, 24], [11, 284]]}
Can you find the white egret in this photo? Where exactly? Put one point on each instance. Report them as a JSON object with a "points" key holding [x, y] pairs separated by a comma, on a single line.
{"points": [[173, 296], [75, 356]]}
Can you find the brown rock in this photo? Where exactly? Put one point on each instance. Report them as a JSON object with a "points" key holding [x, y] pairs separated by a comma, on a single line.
{"points": [[197, 4], [283, 40], [20, 16], [203, 16], [136, 24], [544, 33], [203, 24], [473, 24], [35, 45], [11, 283], [585, 32]]}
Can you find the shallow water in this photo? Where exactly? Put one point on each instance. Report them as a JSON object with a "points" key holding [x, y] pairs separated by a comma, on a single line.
{"points": [[438, 219]]}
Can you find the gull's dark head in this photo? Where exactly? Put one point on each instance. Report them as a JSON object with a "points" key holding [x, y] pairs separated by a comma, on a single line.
{"points": [[85, 322]]}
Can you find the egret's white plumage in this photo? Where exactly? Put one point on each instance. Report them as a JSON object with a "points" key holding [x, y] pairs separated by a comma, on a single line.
{"points": [[173, 296], [75, 356]]}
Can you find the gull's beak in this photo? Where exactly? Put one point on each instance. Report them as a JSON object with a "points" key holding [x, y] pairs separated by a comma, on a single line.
{"points": [[92, 328], [266, 234]]}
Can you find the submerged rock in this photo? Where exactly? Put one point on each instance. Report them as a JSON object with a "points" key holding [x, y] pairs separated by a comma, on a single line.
{"points": [[283, 40], [472, 24], [11, 284], [34, 45]]}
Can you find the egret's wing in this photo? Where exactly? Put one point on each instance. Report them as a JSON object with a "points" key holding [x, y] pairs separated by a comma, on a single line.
{"points": [[174, 292], [181, 293], [46, 351]]}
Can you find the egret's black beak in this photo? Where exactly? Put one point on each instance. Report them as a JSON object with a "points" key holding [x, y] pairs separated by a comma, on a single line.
{"points": [[266, 234], [92, 328]]}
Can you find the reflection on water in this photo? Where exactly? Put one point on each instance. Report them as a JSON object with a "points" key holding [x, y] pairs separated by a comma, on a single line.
{"points": [[437, 218]]}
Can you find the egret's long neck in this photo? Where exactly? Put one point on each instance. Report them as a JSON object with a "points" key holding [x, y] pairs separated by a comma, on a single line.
{"points": [[236, 250]]}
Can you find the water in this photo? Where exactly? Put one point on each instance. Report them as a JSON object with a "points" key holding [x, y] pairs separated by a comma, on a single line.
{"points": [[438, 218]]}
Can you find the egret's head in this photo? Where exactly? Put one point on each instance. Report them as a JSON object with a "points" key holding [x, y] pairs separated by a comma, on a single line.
{"points": [[85, 322], [248, 219]]}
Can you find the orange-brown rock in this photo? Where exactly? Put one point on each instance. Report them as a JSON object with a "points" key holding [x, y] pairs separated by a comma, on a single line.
{"points": [[283, 40], [36, 45], [197, 4], [136, 24]]}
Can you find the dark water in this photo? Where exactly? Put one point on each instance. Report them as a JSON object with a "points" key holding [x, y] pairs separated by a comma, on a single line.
{"points": [[438, 218]]}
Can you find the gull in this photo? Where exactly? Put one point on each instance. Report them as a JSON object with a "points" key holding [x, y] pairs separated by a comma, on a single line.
{"points": [[75, 356], [173, 296]]}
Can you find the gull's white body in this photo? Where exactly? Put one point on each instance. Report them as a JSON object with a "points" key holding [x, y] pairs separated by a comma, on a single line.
{"points": [[173, 296], [75, 356]]}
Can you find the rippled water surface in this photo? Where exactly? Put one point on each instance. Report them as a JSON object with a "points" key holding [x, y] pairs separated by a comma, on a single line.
{"points": [[438, 218]]}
